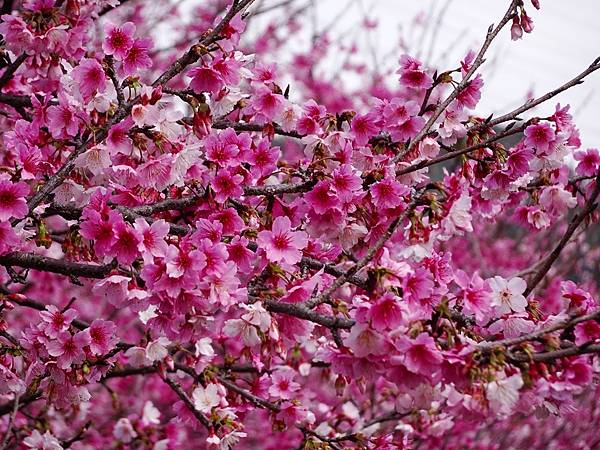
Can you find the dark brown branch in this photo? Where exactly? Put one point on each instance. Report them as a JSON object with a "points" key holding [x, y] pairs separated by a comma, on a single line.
{"points": [[46, 264], [16, 101], [301, 311], [11, 69], [183, 396]]}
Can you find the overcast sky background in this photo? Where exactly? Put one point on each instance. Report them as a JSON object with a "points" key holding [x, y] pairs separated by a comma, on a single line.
{"points": [[566, 39]]}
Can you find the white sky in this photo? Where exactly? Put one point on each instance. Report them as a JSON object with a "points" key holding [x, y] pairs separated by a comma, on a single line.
{"points": [[566, 39]]}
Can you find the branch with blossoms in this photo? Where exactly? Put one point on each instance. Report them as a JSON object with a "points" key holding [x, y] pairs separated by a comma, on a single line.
{"points": [[191, 250]]}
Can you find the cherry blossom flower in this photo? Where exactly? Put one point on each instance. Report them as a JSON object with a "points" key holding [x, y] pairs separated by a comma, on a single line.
{"points": [[45, 441], [589, 162], [12, 200], [118, 40], [507, 296], [281, 244], [283, 385], [388, 193], [503, 394], [587, 331], [102, 336], [137, 56], [90, 76], [57, 321], [206, 398], [68, 348], [539, 136], [420, 355]]}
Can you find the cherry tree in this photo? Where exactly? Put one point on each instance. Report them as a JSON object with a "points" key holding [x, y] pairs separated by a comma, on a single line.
{"points": [[209, 241]]}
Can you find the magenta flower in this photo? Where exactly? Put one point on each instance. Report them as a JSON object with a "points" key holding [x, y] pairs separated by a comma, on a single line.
{"points": [[388, 193], [539, 136], [12, 200], [137, 57], [69, 348], [127, 242], [283, 385], [589, 162], [102, 336], [587, 331], [118, 40], [281, 244], [263, 159], [90, 76], [227, 185], [412, 75], [152, 243], [99, 230], [56, 321], [386, 313], [420, 354], [321, 198], [363, 128], [205, 79]]}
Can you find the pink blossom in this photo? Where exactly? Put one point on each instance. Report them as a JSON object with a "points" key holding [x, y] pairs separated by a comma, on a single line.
{"points": [[137, 56], [205, 79], [420, 354], [411, 74], [12, 200], [90, 76], [283, 385], [589, 162], [118, 40], [9, 240], [587, 331], [69, 348], [226, 185], [281, 244], [263, 159], [102, 336], [363, 128], [57, 321], [388, 193], [321, 199], [516, 32], [267, 103], [502, 394], [386, 313], [127, 242], [363, 341], [152, 242], [539, 136]]}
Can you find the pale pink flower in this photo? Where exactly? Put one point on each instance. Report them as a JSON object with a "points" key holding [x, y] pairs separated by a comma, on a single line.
{"points": [[507, 296], [39, 441], [157, 350], [281, 244], [503, 394], [123, 430], [363, 341], [151, 415], [240, 328], [206, 398]]}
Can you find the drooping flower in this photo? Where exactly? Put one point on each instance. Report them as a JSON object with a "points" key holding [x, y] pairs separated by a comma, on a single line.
{"points": [[420, 354], [412, 75], [281, 244], [507, 296]]}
